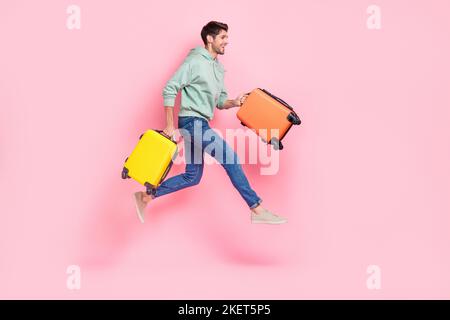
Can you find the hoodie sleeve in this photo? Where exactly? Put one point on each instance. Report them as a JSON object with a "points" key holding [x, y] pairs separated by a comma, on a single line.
{"points": [[222, 98], [179, 80]]}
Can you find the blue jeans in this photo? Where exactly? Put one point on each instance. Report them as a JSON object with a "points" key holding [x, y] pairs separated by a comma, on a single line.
{"points": [[194, 150]]}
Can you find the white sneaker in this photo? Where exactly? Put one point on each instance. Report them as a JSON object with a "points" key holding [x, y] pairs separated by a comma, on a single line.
{"points": [[267, 217], [140, 205]]}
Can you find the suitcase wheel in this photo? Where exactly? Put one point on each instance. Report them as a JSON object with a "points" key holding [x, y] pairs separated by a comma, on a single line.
{"points": [[140, 137], [243, 124], [125, 173], [277, 145], [149, 188], [126, 159], [293, 118]]}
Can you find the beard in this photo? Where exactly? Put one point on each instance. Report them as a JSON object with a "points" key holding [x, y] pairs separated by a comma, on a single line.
{"points": [[219, 50]]}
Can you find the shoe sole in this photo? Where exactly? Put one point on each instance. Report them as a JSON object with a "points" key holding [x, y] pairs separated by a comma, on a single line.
{"points": [[138, 211], [269, 222]]}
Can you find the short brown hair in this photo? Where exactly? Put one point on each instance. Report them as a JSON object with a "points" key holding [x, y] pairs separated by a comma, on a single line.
{"points": [[212, 28]]}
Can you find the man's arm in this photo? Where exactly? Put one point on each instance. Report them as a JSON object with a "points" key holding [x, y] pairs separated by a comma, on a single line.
{"points": [[180, 79], [170, 128]]}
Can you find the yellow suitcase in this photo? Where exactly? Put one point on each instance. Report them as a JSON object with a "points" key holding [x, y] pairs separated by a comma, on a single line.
{"points": [[151, 159]]}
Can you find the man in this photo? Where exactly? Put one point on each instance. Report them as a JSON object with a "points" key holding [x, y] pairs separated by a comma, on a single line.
{"points": [[201, 81]]}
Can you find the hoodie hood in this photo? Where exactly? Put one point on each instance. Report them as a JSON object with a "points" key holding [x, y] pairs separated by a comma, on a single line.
{"points": [[202, 53]]}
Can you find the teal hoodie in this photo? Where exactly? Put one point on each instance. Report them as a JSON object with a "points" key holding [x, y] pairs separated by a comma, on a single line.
{"points": [[201, 81]]}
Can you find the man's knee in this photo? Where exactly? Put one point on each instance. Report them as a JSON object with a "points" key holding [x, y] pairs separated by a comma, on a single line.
{"points": [[196, 179], [193, 177]]}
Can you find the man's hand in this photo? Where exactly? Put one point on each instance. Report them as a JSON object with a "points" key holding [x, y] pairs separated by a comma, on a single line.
{"points": [[233, 103], [169, 130], [240, 99]]}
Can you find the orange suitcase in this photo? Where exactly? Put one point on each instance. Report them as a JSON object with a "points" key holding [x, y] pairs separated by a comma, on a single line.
{"points": [[269, 116]]}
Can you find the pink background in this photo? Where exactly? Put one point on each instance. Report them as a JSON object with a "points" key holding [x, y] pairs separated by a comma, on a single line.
{"points": [[364, 180]]}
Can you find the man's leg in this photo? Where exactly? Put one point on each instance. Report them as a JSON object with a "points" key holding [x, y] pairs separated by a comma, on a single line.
{"points": [[193, 172], [225, 155], [191, 177], [229, 160]]}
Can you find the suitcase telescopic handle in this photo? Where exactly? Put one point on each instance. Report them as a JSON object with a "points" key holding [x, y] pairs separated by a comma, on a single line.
{"points": [[278, 99]]}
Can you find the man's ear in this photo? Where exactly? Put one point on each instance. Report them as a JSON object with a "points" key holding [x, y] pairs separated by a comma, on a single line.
{"points": [[209, 38]]}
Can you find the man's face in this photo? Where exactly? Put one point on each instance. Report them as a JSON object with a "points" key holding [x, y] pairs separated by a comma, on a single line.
{"points": [[219, 42]]}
